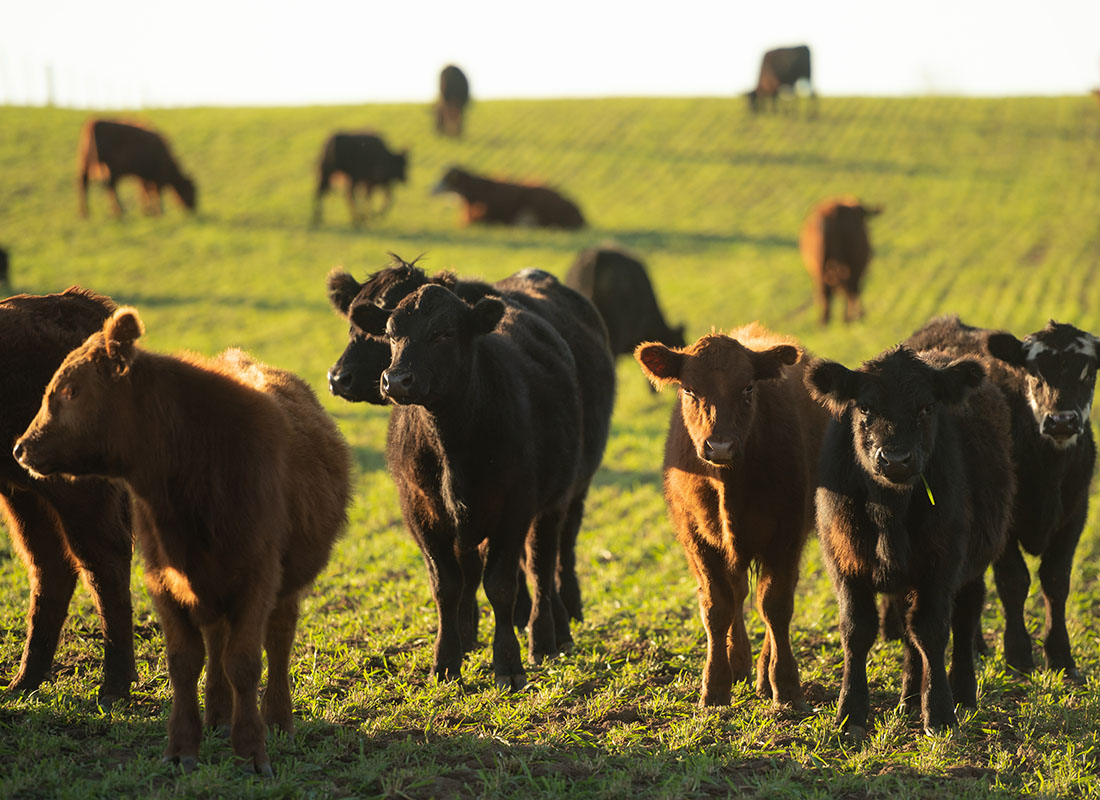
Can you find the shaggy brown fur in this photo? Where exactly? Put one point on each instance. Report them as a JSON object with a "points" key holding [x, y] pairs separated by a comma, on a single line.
{"points": [[740, 471], [62, 530], [836, 250], [240, 483]]}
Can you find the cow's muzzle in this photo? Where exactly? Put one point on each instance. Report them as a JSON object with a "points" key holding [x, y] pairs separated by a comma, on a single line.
{"points": [[719, 452], [1062, 425], [895, 464], [397, 384]]}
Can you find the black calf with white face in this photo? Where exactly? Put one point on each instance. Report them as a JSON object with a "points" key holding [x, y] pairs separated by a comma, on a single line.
{"points": [[893, 402], [1060, 362]]}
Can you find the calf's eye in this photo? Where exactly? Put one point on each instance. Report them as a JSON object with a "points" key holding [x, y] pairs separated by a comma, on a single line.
{"points": [[68, 392], [746, 393], [687, 391]]}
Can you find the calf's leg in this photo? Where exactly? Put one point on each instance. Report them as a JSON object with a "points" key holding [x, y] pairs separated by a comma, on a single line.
{"points": [[858, 627], [218, 711], [243, 666], [1011, 577], [1055, 568], [501, 578], [568, 586], [446, 580], [184, 646], [965, 622], [721, 601], [931, 609], [777, 670], [548, 624], [277, 707]]}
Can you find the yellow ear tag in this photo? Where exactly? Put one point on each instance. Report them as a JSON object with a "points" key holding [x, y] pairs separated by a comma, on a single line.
{"points": [[928, 489]]}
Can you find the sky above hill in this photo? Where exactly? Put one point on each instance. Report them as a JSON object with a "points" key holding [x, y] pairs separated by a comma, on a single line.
{"points": [[115, 53]]}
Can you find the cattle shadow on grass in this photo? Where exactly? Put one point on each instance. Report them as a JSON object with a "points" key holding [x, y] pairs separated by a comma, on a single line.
{"points": [[649, 239]]}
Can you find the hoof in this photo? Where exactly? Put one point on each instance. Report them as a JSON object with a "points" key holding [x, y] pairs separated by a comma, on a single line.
{"points": [[1073, 675], [566, 647], [855, 733], [263, 769], [798, 706], [187, 763], [444, 674], [512, 683]]}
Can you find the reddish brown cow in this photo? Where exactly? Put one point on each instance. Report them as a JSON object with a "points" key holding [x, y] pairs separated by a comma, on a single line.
{"points": [[109, 150], [836, 250], [497, 202], [740, 472], [240, 482], [62, 530]]}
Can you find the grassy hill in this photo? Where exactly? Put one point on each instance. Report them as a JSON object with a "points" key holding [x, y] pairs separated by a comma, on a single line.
{"points": [[992, 212]]}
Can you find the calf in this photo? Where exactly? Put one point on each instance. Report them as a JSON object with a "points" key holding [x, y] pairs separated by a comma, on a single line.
{"points": [[497, 202], [1048, 379], [617, 284], [454, 94], [239, 482], [484, 446], [63, 530], [914, 499], [110, 150], [362, 158], [356, 375], [836, 250], [782, 68], [740, 470]]}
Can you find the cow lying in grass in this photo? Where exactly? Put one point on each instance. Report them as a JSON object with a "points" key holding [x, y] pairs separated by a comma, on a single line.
{"points": [[740, 470], [502, 203], [357, 373], [1048, 379], [485, 448], [240, 482], [63, 530], [914, 499]]}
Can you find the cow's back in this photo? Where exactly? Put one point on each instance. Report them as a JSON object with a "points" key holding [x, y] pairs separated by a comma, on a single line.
{"points": [[834, 243], [621, 290], [129, 149]]}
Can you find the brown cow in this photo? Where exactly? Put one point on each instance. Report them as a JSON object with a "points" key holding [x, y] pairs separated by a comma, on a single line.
{"points": [[454, 94], [498, 202], [109, 150], [836, 250], [740, 473], [63, 530], [782, 68], [240, 483]]}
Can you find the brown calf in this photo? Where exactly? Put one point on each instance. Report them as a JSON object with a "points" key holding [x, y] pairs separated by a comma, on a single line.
{"points": [[836, 250], [494, 202], [240, 482], [740, 472], [109, 150]]}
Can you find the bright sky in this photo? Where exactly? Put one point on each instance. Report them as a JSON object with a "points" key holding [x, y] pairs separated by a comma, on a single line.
{"points": [[234, 52]]}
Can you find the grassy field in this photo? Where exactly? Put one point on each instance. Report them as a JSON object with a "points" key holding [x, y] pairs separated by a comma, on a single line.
{"points": [[992, 211]]}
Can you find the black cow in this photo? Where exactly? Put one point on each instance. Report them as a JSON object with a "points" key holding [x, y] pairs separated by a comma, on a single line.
{"points": [[362, 158], [357, 373], [914, 498], [485, 448], [454, 94], [617, 284], [782, 67], [1048, 379]]}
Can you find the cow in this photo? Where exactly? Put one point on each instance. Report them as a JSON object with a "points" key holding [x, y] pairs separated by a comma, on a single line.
{"points": [[1048, 379], [617, 284], [62, 530], [240, 483], [781, 68], [5, 269], [110, 150], [914, 496], [484, 445], [500, 203], [836, 250], [739, 476], [454, 94], [362, 158], [357, 374]]}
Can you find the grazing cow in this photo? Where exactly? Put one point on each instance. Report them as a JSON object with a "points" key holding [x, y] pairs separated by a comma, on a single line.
{"points": [[240, 482], [356, 375], [836, 250], [781, 68], [740, 470], [496, 202], [63, 530], [454, 94], [362, 158], [485, 448], [617, 284], [110, 150], [1048, 379], [914, 499]]}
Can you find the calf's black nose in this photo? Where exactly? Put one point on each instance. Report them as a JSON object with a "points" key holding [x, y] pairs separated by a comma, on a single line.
{"points": [[339, 381], [717, 451], [397, 382], [1061, 423]]}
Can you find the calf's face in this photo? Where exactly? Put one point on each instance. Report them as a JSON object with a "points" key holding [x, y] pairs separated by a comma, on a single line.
{"points": [[431, 335], [1060, 367], [74, 430], [717, 377], [894, 404]]}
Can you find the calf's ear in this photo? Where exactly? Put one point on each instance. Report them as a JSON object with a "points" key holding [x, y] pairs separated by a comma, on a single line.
{"points": [[955, 381], [342, 289], [120, 331], [833, 385], [660, 363], [369, 318], [768, 364], [1006, 347], [485, 315]]}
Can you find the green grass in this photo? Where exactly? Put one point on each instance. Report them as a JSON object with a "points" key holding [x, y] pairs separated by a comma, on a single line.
{"points": [[992, 210]]}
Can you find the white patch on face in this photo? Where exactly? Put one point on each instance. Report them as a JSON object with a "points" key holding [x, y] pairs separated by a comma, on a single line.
{"points": [[1034, 348], [1084, 374], [1085, 345]]}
